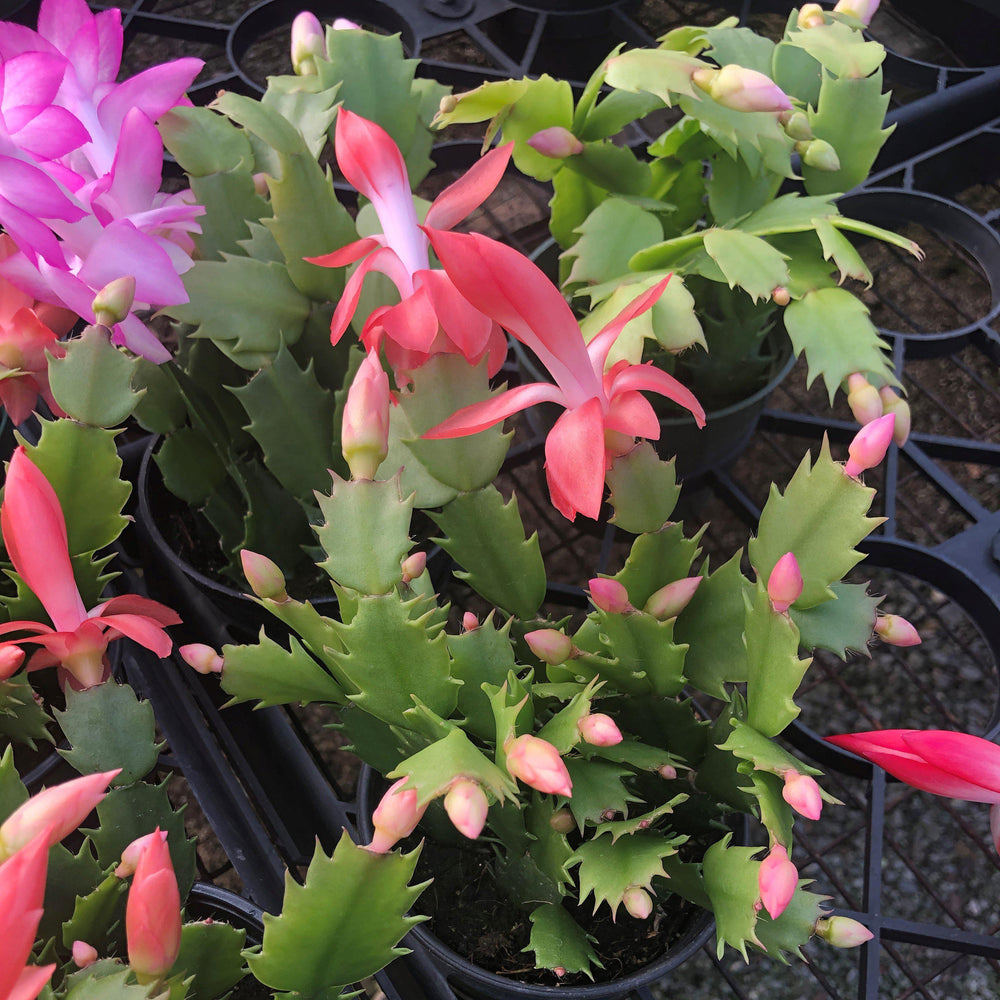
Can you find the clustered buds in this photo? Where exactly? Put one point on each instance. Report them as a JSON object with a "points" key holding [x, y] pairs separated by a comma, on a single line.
{"points": [[669, 601], [538, 765], [265, 578], [609, 596], [896, 631], [599, 730], [741, 89], [556, 142], [395, 817], [784, 585], [777, 880], [870, 445], [803, 794], [466, 806], [364, 436]]}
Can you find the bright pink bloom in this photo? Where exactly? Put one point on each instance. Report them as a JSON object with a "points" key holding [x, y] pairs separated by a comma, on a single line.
{"points": [[609, 596], [364, 434], [432, 318], [53, 812], [34, 532], [784, 585], [395, 817], [896, 631], [870, 445], [466, 806], [776, 880], [605, 411], [22, 890], [538, 765], [599, 730], [153, 913], [669, 601], [803, 794]]}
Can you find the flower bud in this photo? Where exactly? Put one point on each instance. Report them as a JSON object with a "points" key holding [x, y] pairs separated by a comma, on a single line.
{"points": [[842, 932], [609, 596], [413, 565], [818, 154], [896, 631], [84, 955], [668, 772], [776, 880], [201, 658], [863, 399], [742, 89], [132, 853], [811, 16], [395, 817], [114, 301], [784, 586], [863, 10], [364, 436], [448, 104], [556, 142], [153, 913], [797, 126], [550, 646], [344, 24], [802, 793], [562, 821], [56, 811], [466, 806], [470, 622], [559, 971], [895, 404], [870, 445], [260, 185], [599, 730], [11, 657], [637, 902], [669, 601], [780, 296], [265, 578], [307, 43], [538, 765]]}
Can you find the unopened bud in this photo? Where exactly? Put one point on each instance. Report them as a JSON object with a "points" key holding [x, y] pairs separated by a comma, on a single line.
{"points": [[364, 434], [609, 596], [780, 296], [863, 399], [803, 794], [562, 821], [667, 771], [265, 578], [114, 301], [896, 631], [448, 104], [863, 10], [344, 24], [84, 955], [895, 404], [413, 565], [466, 806], [776, 881], [669, 601], [818, 154], [549, 645], [132, 853], [742, 89], [307, 43], [538, 764], [798, 127], [842, 932], [599, 730], [870, 445], [811, 16], [637, 902], [470, 622], [556, 142], [784, 585], [396, 816], [559, 972], [260, 185], [11, 657], [204, 659]]}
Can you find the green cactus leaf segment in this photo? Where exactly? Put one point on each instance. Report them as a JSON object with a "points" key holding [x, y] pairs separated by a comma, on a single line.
{"points": [[563, 729], [212, 954], [645, 647], [656, 559], [662, 72], [559, 942], [742, 46], [548, 848], [91, 984], [22, 719], [306, 103], [70, 877], [635, 824], [598, 789], [793, 927], [730, 875], [609, 237], [12, 790], [482, 656], [840, 50], [747, 261], [94, 914], [843, 624], [644, 489]]}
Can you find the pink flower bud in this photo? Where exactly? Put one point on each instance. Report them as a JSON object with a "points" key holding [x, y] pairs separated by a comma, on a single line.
{"points": [[802, 793], [114, 301], [776, 880], [549, 645], [870, 445], [57, 810], [637, 902], [470, 622], [395, 817], [343, 24], [669, 601], [265, 578], [863, 10], [842, 932], [466, 806], [307, 43], [668, 772], [556, 142], [609, 596], [260, 184], [538, 765], [742, 89], [132, 853], [599, 730], [895, 404], [811, 16], [559, 972], [153, 913], [784, 586], [201, 658], [896, 631], [364, 435], [84, 955], [11, 657], [562, 821], [863, 399], [780, 296], [413, 565]]}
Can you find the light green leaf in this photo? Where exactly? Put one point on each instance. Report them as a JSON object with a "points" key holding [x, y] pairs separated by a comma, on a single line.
{"points": [[662, 72], [730, 875], [839, 49], [598, 786], [211, 953], [609, 237], [747, 261], [558, 941], [644, 490]]}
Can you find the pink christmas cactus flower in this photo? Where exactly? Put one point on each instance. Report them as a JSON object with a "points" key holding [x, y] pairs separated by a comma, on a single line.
{"points": [[34, 532], [153, 913], [605, 411], [432, 317]]}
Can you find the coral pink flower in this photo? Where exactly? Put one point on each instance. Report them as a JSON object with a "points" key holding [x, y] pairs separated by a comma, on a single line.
{"points": [[776, 880], [395, 817], [538, 764], [34, 532], [605, 411], [432, 318], [153, 913], [22, 889]]}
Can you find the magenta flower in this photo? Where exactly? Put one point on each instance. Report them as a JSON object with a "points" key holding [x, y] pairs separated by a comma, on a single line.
{"points": [[34, 532], [432, 317], [605, 411]]}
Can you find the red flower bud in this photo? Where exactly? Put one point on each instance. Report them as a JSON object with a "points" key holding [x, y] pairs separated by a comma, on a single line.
{"points": [[896, 631], [669, 601], [599, 730], [265, 578], [201, 658], [153, 913], [870, 445]]}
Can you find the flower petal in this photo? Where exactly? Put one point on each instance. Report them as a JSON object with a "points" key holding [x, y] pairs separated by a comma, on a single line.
{"points": [[457, 200], [575, 461], [601, 344], [479, 416], [656, 380]]}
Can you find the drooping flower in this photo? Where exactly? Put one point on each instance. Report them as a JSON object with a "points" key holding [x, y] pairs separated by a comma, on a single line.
{"points": [[605, 411], [432, 317], [153, 913], [34, 532]]}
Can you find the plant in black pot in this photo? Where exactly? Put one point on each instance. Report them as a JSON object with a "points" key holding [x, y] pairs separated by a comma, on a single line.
{"points": [[558, 763], [735, 197]]}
